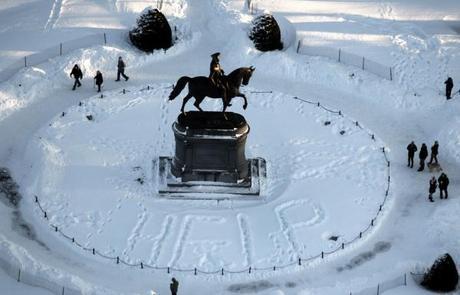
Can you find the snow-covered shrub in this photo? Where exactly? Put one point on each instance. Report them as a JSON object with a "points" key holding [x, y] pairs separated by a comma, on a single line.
{"points": [[265, 33], [152, 31], [442, 276]]}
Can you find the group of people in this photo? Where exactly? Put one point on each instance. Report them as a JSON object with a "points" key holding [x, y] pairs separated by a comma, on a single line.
{"points": [[443, 183], [98, 79], [443, 180], [423, 154], [215, 74]]}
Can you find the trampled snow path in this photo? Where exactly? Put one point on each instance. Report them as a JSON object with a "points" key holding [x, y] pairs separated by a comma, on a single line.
{"points": [[54, 14], [411, 212]]}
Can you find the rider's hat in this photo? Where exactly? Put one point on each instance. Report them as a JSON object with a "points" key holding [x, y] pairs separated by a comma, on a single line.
{"points": [[215, 54]]}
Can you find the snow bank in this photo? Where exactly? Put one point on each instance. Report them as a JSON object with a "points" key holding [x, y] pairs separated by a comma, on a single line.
{"points": [[450, 138], [288, 31]]}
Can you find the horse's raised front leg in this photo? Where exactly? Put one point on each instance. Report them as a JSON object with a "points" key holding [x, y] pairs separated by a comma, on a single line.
{"points": [[245, 105], [184, 102]]}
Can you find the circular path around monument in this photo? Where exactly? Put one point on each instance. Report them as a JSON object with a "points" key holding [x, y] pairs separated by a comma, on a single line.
{"points": [[326, 179]]}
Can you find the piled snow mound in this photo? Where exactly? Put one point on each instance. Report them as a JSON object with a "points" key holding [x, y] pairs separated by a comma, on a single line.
{"points": [[325, 175], [287, 31], [451, 138]]}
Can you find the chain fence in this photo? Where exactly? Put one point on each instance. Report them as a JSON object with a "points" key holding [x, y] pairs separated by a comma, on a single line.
{"points": [[22, 275], [61, 49], [250, 269], [338, 54], [347, 58], [103, 38]]}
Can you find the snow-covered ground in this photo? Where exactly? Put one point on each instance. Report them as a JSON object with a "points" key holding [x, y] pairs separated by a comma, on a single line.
{"points": [[87, 173], [320, 183]]}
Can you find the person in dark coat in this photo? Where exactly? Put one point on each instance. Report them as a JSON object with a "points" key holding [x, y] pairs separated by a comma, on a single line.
{"points": [[449, 85], [98, 80], [432, 189], [77, 75], [434, 153], [443, 181], [174, 286], [423, 154], [215, 75], [121, 69], [411, 149]]}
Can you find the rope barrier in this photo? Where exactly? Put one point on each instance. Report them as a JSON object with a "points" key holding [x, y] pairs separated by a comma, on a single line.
{"points": [[304, 100], [249, 269], [269, 91]]}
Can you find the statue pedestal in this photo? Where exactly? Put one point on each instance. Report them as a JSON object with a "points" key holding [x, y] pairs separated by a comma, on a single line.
{"points": [[210, 148], [210, 156]]}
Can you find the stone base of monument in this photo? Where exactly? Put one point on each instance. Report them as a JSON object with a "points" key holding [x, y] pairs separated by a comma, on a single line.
{"points": [[172, 187], [210, 157]]}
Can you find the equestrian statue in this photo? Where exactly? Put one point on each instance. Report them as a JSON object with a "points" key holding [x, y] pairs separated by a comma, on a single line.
{"points": [[217, 85]]}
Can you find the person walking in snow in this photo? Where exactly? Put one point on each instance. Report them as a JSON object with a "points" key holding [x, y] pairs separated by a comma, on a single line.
{"points": [[98, 80], [443, 181], [432, 189], [434, 153], [449, 85], [174, 286], [77, 75], [121, 69], [411, 149], [423, 154]]}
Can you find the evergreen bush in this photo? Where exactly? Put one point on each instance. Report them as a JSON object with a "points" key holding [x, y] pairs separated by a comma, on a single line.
{"points": [[152, 31]]}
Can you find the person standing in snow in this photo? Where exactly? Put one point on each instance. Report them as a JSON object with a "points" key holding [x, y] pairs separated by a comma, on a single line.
{"points": [[423, 154], [432, 189], [411, 149], [434, 153], [77, 75], [174, 286], [98, 80], [449, 85], [121, 69], [443, 181], [215, 75]]}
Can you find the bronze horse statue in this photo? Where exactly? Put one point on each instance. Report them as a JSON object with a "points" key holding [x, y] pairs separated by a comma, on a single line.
{"points": [[201, 87]]}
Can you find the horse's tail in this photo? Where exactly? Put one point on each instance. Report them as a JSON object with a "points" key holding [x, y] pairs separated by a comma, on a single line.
{"points": [[179, 87]]}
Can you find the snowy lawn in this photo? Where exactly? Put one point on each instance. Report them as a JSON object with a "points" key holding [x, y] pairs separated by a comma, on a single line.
{"points": [[321, 183]]}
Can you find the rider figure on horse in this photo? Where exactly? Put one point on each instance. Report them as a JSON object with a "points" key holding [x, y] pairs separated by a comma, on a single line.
{"points": [[216, 74]]}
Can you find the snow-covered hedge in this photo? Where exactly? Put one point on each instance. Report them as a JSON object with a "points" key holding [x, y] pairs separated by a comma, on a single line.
{"points": [[266, 33], [152, 31]]}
